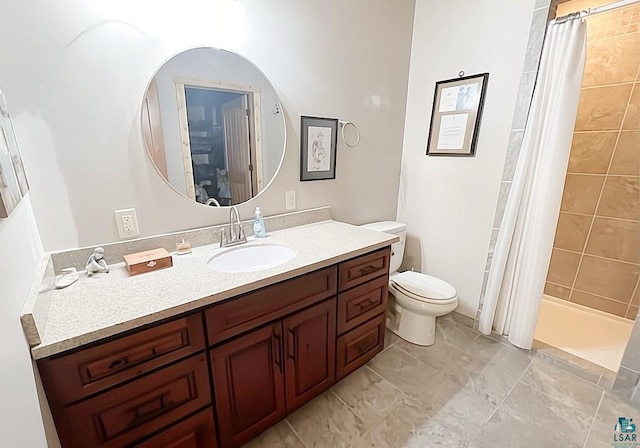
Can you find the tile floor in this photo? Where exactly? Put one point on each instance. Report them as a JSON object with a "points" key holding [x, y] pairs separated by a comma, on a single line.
{"points": [[466, 390]]}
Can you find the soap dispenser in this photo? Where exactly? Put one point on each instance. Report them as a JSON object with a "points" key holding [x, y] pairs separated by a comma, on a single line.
{"points": [[258, 224]]}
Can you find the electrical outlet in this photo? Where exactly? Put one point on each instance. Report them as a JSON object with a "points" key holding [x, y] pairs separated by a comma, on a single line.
{"points": [[127, 222], [290, 200]]}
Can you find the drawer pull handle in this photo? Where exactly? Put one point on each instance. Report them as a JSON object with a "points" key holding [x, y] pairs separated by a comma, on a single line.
{"points": [[368, 270], [152, 408], [277, 351], [291, 343], [365, 305], [141, 356], [366, 347], [152, 264], [117, 363]]}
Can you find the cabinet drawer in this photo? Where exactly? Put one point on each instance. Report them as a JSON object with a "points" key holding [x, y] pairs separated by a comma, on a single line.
{"points": [[195, 432], [361, 303], [71, 377], [131, 412], [359, 345], [269, 303], [362, 269]]}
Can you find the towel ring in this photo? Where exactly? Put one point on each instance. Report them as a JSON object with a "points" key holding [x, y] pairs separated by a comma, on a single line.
{"points": [[344, 124]]}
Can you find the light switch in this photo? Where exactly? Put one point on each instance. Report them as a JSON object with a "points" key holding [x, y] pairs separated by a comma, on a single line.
{"points": [[290, 200]]}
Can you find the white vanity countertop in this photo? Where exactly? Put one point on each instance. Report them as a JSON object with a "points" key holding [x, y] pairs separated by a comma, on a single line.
{"points": [[107, 304]]}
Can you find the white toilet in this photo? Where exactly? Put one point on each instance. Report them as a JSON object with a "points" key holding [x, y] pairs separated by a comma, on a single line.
{"points": [[415, 299]]}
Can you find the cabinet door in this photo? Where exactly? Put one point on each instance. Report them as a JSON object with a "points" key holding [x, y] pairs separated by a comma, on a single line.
{"points": [[249, 384], [310, 352]]}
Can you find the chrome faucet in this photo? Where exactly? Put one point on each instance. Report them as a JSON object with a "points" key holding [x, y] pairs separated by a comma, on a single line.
{"points": [[236, 234]]}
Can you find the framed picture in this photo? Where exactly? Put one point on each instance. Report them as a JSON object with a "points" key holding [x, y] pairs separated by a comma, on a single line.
{"points": [[318, 141], [10, 137], [13, 180], [456, 115]]}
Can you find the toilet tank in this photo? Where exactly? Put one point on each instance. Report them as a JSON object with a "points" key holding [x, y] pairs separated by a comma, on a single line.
{"points": [[397, 249]]}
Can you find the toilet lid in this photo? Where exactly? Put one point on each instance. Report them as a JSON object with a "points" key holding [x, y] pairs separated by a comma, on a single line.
{"points": [[423, 285]]}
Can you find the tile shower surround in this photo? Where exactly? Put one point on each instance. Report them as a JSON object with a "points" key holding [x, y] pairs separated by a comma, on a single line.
{"points": [[466, 390], [596, 252], [629, 373]]}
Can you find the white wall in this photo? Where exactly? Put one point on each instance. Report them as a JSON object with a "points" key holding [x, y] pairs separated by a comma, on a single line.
{"points": [[74, 74], [449, 203], [21, 422]]}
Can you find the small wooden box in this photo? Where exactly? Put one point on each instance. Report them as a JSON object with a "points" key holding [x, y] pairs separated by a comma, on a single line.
{"points": [[147, 261]]}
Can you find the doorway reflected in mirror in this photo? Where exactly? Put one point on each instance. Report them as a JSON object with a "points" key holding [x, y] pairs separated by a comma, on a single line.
{"points": [[213, 127]]}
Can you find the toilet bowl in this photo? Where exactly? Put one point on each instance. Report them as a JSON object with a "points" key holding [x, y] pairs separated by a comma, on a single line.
{"points": [[415, 299]]}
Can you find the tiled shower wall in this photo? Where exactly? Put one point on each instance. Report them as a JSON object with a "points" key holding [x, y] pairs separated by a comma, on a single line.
{"points": [[596, 260]]}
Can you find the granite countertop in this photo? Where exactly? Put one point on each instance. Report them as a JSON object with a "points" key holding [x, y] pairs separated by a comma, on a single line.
{"points": [[104, 305]]}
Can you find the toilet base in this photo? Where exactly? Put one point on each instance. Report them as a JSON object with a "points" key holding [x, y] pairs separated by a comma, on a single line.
{"points": [[415, 328]]}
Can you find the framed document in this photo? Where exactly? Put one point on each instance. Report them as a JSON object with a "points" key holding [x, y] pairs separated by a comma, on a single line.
{"points": [[456, 115]]}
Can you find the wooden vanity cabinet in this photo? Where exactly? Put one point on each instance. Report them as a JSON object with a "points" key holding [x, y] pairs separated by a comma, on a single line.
{"points": [[222, 375], [362, 302], [264, 375]]}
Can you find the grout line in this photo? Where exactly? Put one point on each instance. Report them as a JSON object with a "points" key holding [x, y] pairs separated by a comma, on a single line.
{"points": [[593, 255], [622, 83], [611, 131], [593, 218], [384, 379], [353, 411], [576, 173], [295, 432], [567, 366], [600, 378], [615, 148], [397, 339], [575, 378], [421, 362], [635, 290], [593, 420], [591, 293], [613, 218], [330, 390], [502, 401], [368, 431]]}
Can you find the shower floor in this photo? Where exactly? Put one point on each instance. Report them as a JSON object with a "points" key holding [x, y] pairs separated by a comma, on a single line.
{"points": [[589, 334]]}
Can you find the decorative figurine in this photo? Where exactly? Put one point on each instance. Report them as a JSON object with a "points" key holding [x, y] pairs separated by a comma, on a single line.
{"points": [[96, 262]]}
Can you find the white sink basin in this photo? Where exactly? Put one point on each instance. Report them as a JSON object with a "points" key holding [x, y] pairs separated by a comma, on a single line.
{"points": [[250, 258]]}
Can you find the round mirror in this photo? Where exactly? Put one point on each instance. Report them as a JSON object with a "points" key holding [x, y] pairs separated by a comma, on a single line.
{"points": [[213, 126]]}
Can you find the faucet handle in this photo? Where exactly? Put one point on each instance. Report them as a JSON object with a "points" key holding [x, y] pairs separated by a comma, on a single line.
{"points": [[241, 234], [223, 237]]}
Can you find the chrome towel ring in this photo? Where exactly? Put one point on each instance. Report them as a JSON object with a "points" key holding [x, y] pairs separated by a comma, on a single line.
{"points": [[343, 125]]}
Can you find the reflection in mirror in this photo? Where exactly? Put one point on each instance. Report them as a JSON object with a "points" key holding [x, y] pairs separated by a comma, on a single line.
{"points": [[213, 127]]}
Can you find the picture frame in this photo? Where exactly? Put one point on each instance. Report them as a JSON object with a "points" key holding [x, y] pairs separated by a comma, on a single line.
{"points": [[318, 142], [456, 116], [13, 179]]}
